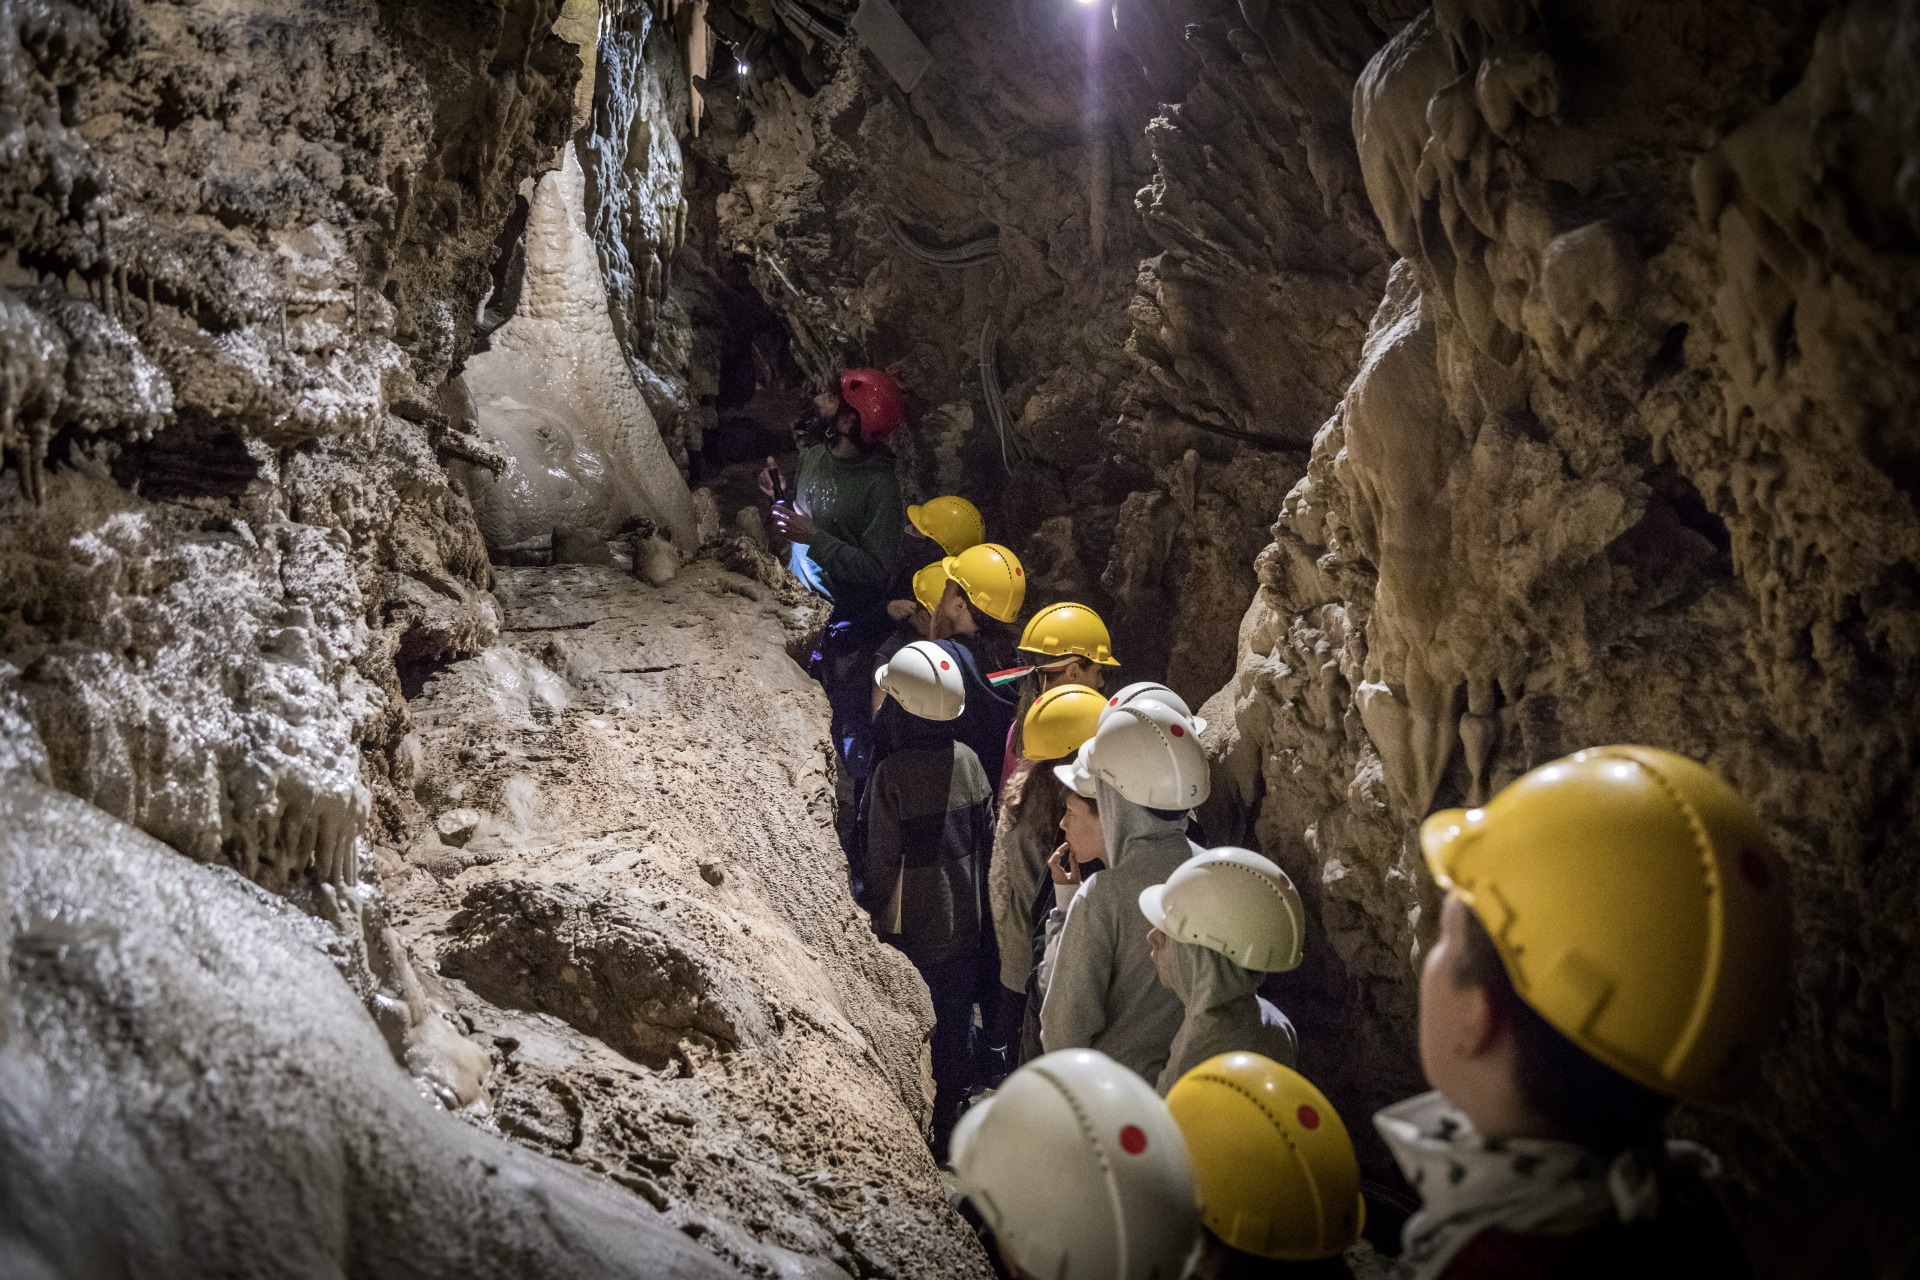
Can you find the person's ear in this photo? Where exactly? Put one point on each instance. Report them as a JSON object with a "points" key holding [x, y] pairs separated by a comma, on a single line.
{"points": [[1477, 1031]]}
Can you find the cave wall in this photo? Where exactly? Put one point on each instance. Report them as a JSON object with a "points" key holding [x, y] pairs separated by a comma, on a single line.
{"points": [[1141, 456], [1623, 462], [239, 245], [1440, 388], [247, 253]]}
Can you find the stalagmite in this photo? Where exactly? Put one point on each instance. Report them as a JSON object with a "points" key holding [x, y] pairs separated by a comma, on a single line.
{"points": [[556, 395]]}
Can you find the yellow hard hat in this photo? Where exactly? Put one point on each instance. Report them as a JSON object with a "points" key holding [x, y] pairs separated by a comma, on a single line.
{"points": [[1064, 630], [1060, 720], [952, 522], [992, 578], [1272, 1161], [1637, 907], [929, 584]]}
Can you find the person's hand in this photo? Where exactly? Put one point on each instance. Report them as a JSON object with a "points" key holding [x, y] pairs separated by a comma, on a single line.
{"points": [[1060, 866], [766, 478], [792, 523]]}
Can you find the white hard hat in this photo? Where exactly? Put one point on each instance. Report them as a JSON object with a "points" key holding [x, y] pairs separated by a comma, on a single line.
{"points": [[1077, 777], [1150, 753], [925, 679], [1081, 1172], [1152, 691], [1235, 902]]}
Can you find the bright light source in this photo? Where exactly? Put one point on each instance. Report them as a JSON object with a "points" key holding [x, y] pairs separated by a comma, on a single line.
{"points": [[1086, 1], [742, 68]]}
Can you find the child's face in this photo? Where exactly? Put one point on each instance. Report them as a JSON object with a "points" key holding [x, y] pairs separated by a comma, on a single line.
{"points": [[1454, 1016], [1081, 827]]}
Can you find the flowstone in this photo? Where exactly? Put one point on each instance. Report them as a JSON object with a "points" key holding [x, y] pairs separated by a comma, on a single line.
{"points": [[554, 393]]}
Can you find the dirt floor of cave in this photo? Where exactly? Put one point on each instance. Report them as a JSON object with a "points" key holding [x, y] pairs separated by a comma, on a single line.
{"points": [[631, 845]]}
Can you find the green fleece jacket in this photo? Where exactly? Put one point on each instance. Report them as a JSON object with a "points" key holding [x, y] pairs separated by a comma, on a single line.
{"points": [[856, 508]]}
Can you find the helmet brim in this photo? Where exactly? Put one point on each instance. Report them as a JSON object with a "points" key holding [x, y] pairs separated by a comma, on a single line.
{"points": [[1043, 658], [1153, 905], [1075, 780], [960, 1148], [1440, 844]]}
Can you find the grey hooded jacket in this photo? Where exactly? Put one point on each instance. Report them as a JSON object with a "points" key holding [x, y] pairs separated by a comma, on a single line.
{"points": [[1225, 1014], [1104, 993]]}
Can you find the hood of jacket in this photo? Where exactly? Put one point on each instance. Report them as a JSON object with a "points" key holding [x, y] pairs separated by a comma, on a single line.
{"points": [[897, 729], [1129, 828], [1204, 979]]}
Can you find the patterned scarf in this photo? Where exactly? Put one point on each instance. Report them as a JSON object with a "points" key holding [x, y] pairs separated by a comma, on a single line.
{"points": [[1468, 1184]]}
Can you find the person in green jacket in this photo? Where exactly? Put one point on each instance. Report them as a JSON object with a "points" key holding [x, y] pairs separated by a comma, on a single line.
{"points": [[844, 518]]}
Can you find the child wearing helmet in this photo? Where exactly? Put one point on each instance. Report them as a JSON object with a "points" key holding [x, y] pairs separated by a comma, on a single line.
{"points": [[1080, 855], [950, 522], [933, 610], [1062, 644], [1080, 1173], [928, 816], [1145, 767], [1056, 717], [1274, 1169], [1561, 1017], [1221, 923]]}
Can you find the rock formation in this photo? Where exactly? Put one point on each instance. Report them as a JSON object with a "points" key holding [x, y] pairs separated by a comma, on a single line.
{"points": [[1561, 330], [635, 883], [554, 393], [191, 1090], [1437, 388], [247, 253]]}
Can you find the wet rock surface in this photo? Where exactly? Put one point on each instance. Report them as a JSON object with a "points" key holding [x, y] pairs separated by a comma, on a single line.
{"points": [[241, 243], [188, 1088], [649, 923], [244, 253]]}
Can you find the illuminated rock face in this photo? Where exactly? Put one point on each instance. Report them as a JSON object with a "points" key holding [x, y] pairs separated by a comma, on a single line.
{"points": [[243, 256], [231, 271], [554, 393], [223, 1104], [635, 886], [1616, 466]]}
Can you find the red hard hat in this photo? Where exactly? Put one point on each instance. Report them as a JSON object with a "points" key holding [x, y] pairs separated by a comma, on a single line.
{"points": [[878, 399]]}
